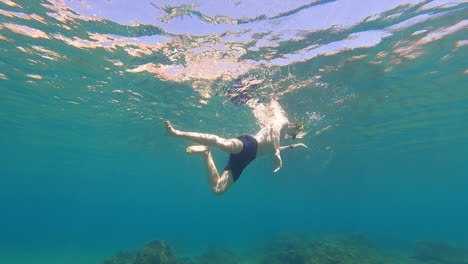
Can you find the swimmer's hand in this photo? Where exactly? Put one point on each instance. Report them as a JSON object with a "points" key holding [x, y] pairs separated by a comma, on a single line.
{"points": [[299, 145], [278, 162]]}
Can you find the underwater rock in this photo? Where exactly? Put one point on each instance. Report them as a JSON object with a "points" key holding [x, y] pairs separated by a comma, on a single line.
{"points": [[357, 239], [287, 241], [155, 252], [435, 252], [122, 257], [354, 249], [213, 256]]}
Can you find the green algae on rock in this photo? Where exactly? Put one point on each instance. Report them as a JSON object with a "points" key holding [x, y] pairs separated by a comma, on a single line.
{"points": [[353, 249], [154, 252], [436, 252], [213, 256], [122, 257]]}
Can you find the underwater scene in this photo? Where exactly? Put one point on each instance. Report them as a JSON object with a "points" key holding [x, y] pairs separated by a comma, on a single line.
{"points": [[353, 116]]}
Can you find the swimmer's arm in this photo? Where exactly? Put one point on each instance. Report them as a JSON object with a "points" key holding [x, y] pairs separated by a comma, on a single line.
{"points": [[275, 135], [292, 146]]}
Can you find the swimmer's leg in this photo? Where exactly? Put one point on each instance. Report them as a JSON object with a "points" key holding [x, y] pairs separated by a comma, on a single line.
{"points": [[231, 146], [218, 184]]}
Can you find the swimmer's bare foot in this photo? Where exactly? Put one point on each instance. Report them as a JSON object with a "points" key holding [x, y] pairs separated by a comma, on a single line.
{"points": [[201, 150], [169, 129]]}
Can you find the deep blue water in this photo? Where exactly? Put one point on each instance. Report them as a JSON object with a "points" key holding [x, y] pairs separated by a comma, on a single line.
{"points": [[86, 166]]}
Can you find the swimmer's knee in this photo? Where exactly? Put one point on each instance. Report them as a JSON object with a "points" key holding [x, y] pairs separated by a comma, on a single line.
{"points": [[218, 191], [223, 184]]}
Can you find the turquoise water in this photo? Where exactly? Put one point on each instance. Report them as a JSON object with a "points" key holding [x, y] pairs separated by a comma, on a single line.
{"points": [[87, 85]]}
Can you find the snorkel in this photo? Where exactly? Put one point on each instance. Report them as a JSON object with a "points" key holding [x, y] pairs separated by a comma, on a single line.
{"points": [[300, 128]]}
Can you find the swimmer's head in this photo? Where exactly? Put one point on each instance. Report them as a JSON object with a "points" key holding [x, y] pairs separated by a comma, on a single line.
{"points": [[296, 130]]}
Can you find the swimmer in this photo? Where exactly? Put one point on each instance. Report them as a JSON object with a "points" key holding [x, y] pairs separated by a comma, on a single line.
{"points": [[243, 150]]}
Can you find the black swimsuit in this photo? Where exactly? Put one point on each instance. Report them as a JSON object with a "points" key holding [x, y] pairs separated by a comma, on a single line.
{"points": [[238, 162]]}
